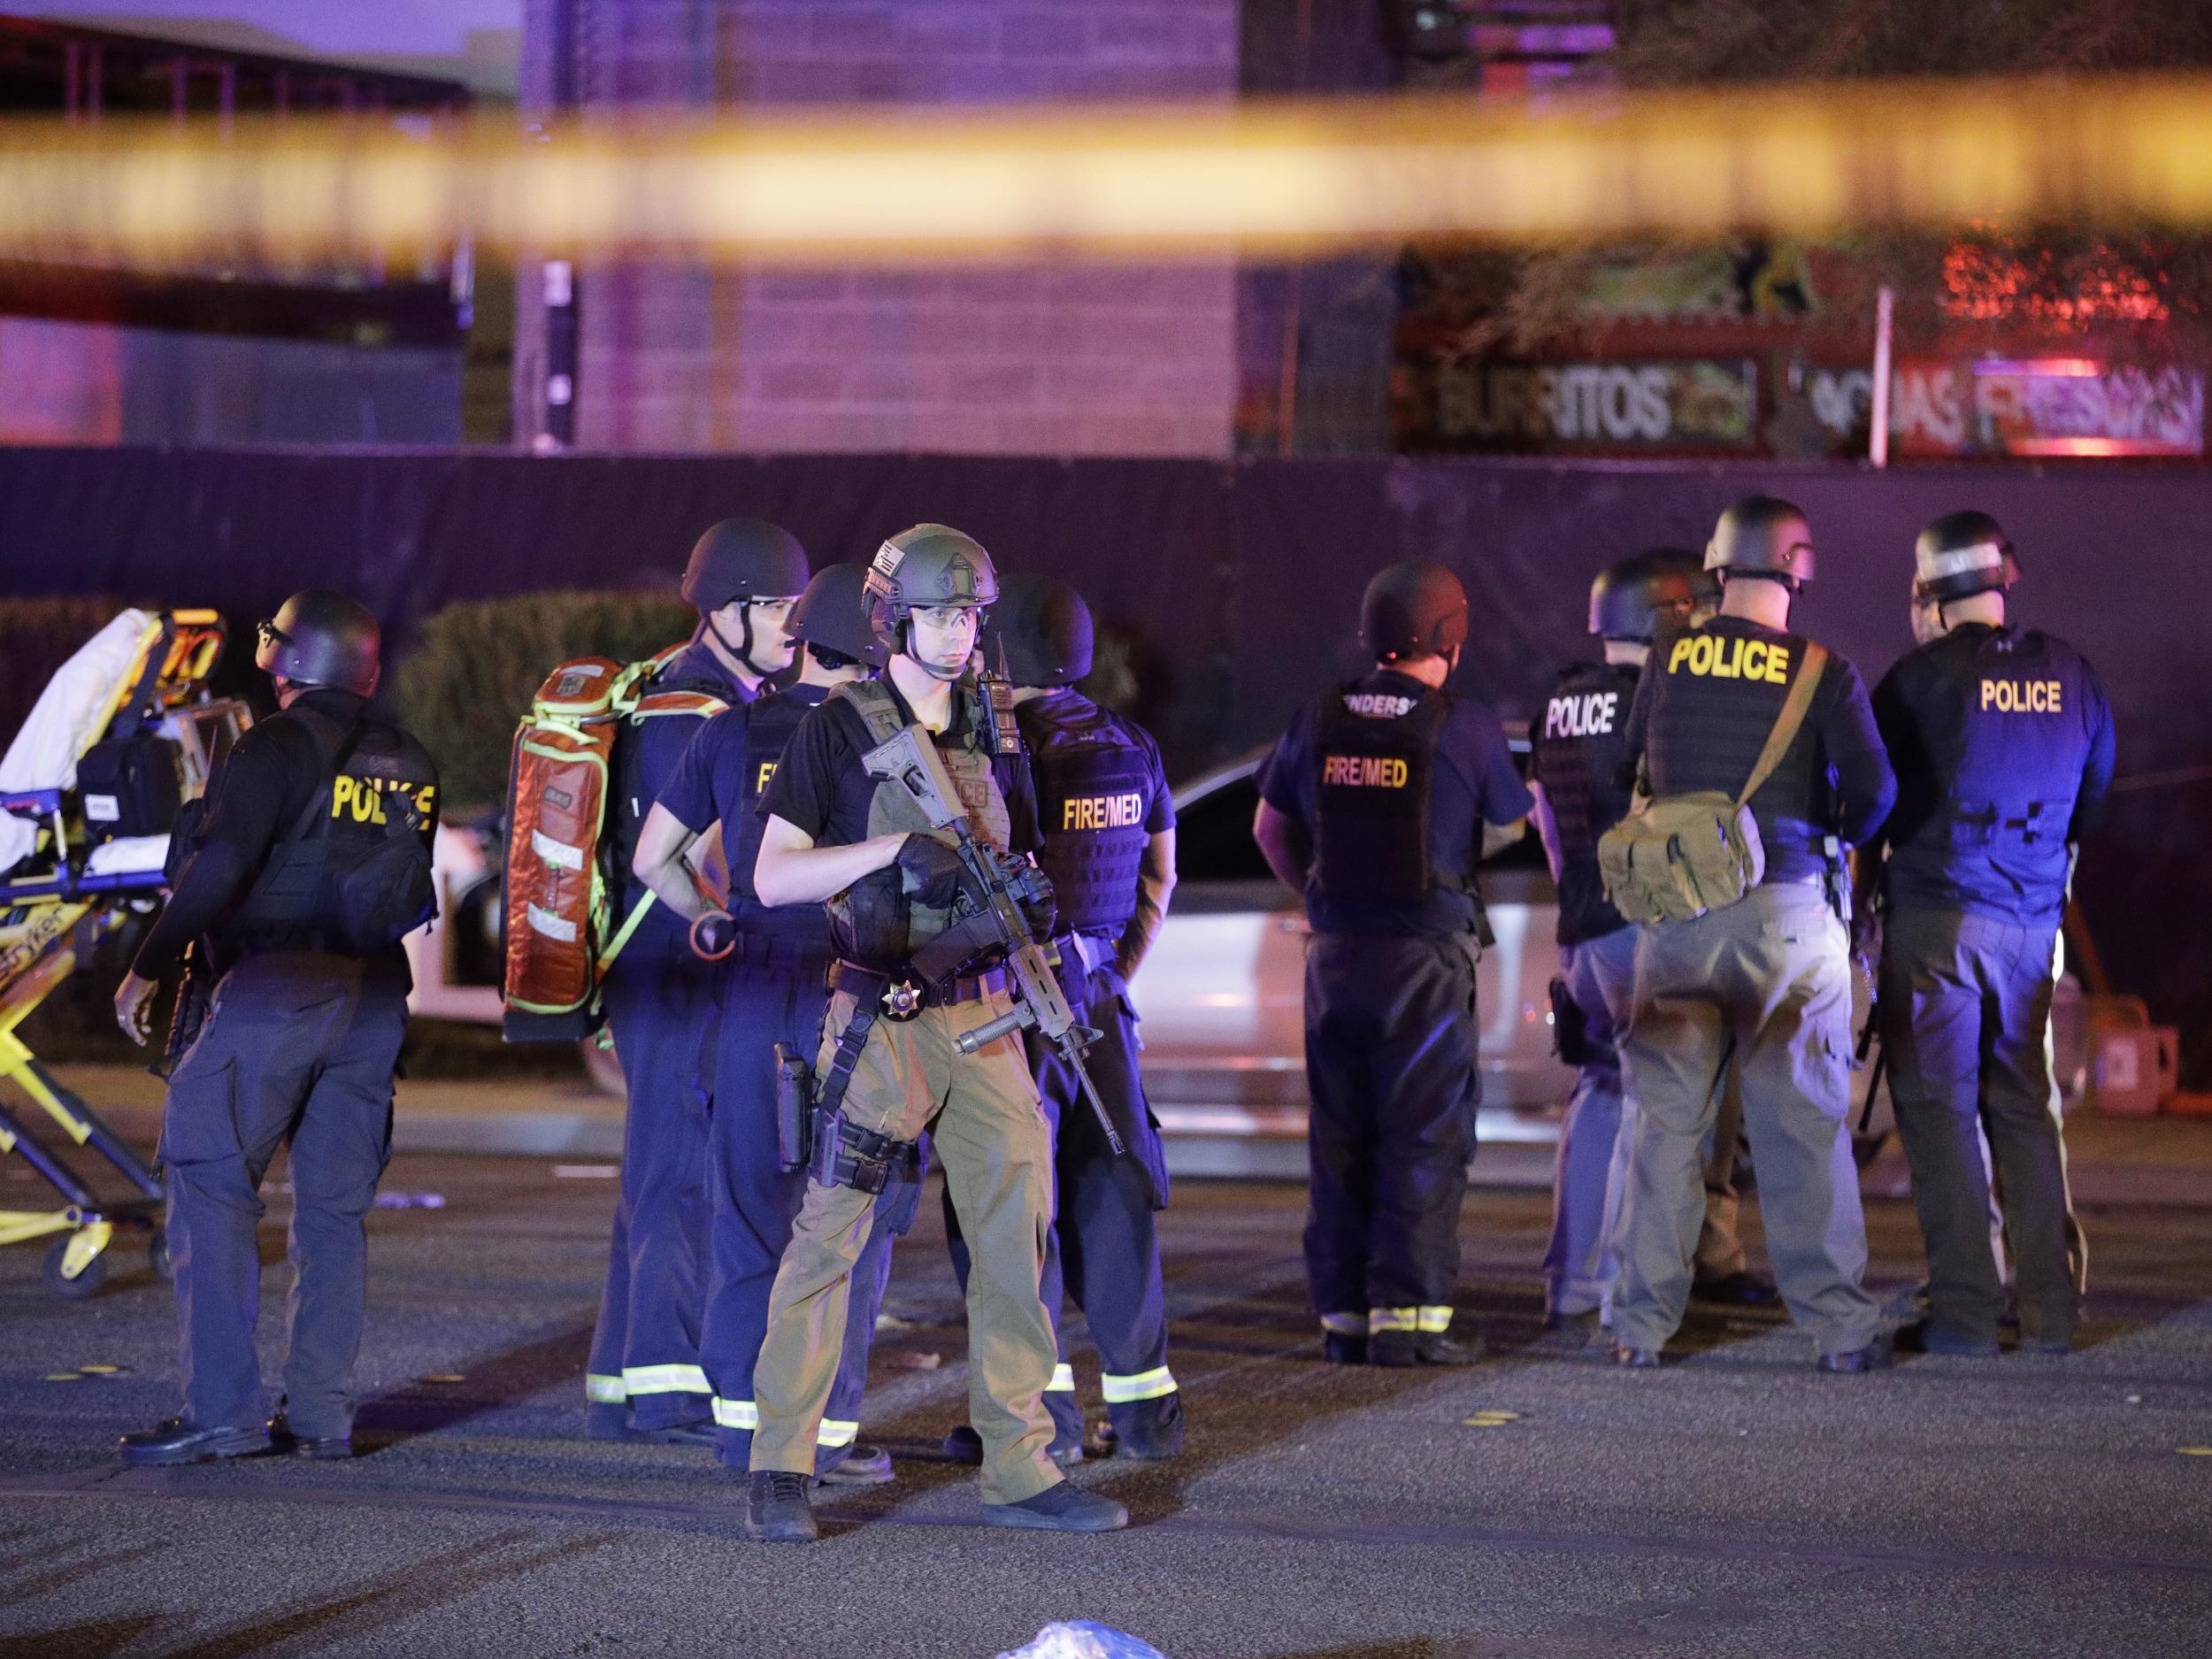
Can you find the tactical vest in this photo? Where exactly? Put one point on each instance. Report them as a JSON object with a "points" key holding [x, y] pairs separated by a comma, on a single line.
{"points": [[874, 922], [2001, 719], [1378, 772], [1581, 743], [1095, 785], [352, 873], [1717, 690]]}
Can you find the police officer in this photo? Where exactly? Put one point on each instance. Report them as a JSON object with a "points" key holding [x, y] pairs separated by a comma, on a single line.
{"points": [[888, 1065], [774, 988], [643, 1379], [1765, 979], [311, 862], [1375, 806], [1108, 826], [1577, 757], [2003, 742]]}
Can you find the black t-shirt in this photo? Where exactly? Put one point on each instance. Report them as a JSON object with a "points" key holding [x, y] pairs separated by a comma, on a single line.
{"points": [[1475, 782], [1576, 753], [822, 787], [1704, 708]]}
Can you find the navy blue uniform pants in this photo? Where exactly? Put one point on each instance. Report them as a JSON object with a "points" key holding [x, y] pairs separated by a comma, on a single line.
{"points": [[299, 1047], [754, 1203], [1103, 1247], [1391, 1053], [645, 1352], [1966, 1023]]}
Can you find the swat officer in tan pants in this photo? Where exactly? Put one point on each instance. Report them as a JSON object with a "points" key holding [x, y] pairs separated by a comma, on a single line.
{"points": [[888, 1067]]}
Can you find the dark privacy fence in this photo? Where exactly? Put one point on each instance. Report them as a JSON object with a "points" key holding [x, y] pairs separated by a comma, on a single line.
{"points": [[1240, 582]]}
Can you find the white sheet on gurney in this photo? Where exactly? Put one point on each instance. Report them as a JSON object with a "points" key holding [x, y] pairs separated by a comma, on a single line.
{"points": [[129, 855], [61, 725]]}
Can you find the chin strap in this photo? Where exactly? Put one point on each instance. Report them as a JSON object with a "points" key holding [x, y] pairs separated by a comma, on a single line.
{"points": [[743, 650]]}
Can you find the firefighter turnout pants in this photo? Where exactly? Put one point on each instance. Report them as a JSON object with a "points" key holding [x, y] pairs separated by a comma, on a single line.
{"points": [[1391, 1054]]}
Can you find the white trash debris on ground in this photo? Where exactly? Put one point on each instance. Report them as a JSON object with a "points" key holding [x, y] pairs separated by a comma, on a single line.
{"points": [[1084, 1639]]}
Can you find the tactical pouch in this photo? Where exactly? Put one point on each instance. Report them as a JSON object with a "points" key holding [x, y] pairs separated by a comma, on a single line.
{"points": [[846, 1155], [1570, 1027], [794, 1108], [1675, 857]]}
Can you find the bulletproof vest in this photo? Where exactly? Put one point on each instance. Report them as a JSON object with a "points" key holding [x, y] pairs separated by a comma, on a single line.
{"points": [[1581, 744], [2002, 720], [769, 726], [1094, 786], [873, 922], [1377, 755], [1720, 688], [352, 872]]}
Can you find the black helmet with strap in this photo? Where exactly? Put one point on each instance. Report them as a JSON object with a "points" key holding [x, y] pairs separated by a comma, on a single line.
{"points": [[832, 616], [1960, 555], [929, 564], [742, 559], [318, 638], [1042, 629], [1762, 536], [1632, 597], [1414, 609]]}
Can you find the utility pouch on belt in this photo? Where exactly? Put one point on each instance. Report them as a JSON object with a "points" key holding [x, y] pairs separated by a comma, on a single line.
{"points": [[1675, 858], [794, 1108], [1570, 1027]]}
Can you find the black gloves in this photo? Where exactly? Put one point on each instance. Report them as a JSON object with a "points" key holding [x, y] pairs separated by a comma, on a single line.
{"points": [[931, 873]]}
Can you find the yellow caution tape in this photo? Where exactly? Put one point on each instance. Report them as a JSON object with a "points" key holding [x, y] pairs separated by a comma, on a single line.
{"points": [[1261, 177], [64, 1376], [448, 1376], [2196, 1451], [100, 1370]]}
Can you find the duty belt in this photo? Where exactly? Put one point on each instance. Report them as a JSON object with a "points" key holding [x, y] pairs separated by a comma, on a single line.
{"points": [[880, 996], [896, 997]]}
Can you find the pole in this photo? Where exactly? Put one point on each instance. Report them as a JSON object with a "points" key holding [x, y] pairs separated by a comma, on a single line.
{"points": [[1877, 433]]}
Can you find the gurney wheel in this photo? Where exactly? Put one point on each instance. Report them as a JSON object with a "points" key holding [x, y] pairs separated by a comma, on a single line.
{"points": [[157, 1256], [86, 1284]]}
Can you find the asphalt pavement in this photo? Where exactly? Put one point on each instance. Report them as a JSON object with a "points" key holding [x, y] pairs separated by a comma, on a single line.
{"points": [[1732, 1503]]}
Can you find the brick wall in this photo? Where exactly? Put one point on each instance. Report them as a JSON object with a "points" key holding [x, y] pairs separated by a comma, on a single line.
{"points": [[1077, 360]]}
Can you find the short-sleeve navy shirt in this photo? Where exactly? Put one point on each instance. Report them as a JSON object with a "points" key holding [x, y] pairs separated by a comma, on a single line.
{"points": [[1475, 782]]}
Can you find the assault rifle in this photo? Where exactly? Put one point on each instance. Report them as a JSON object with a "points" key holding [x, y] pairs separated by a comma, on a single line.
{"points": [[997, 923]]}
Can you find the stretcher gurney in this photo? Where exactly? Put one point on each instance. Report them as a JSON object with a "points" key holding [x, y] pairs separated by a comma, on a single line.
{"points": [[72, 871]]}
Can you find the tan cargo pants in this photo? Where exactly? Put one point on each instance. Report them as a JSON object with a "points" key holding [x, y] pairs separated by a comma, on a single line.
{"points": [[982, 1114]]}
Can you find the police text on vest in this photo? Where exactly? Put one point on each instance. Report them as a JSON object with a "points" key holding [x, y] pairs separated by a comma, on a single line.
{"points": [[2022, 697]]}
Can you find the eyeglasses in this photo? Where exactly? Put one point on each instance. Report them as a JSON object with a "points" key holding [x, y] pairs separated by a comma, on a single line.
{"points": [[267, 632], [775, 609], [947, 616]]}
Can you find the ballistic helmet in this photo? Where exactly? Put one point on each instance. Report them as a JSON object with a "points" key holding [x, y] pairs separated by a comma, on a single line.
{"points": [[1041, 630], [1415, 608], [318, 639], [1631, 598], [1960, 555], [832, 616], [1762, 536], [930, 564], [743, 558]]}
